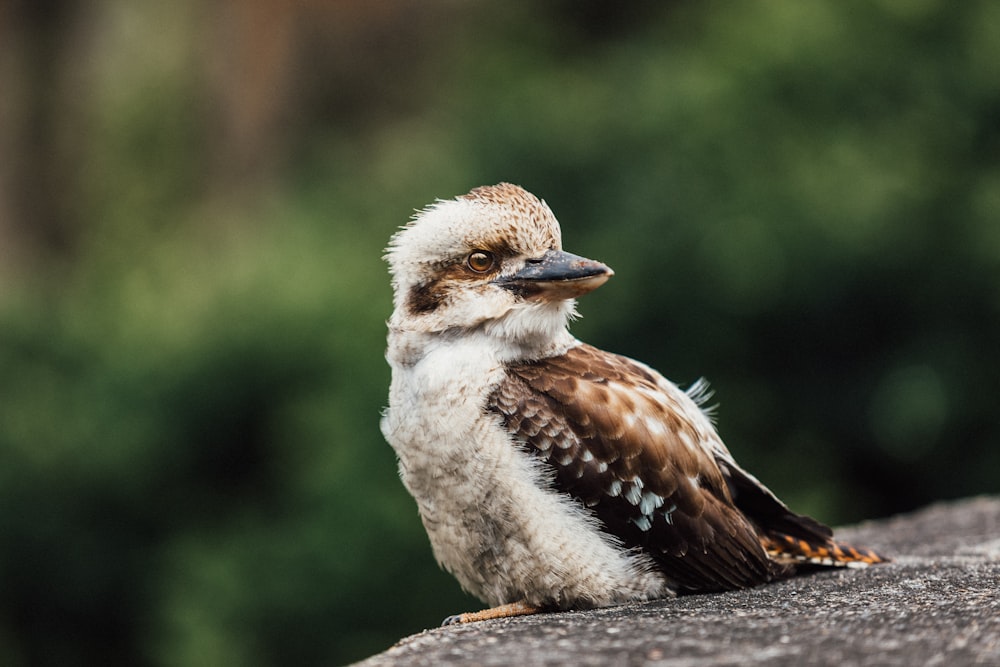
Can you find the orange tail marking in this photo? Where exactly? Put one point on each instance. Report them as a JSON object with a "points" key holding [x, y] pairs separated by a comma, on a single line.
{"points": [[787, 549]]}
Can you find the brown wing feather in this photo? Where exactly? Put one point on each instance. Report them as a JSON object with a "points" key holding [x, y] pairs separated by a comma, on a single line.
{"points": [[626, 449]]}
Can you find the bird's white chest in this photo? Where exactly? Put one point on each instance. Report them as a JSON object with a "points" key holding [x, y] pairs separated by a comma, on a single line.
{"points": [[451, 455], [435, 417]]}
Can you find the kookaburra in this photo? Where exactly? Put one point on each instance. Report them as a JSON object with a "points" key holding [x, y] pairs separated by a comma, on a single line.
{"points": [[550, 474]]}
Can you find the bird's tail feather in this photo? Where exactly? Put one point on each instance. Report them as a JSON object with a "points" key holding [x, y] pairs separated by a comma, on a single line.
{"points": [[790, 550]]}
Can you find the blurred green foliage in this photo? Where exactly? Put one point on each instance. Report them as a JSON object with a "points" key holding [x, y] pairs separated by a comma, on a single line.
{"points": [[799, 200]]}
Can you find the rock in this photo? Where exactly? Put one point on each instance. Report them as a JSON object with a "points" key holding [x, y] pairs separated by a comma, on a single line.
{"points": [[938, 603]]}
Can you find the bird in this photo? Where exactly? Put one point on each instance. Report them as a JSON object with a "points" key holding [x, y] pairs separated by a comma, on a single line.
{"points": [[549, 474]]}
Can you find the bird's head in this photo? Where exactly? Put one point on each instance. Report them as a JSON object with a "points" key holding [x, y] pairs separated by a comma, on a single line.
{"points": [[491, 260]]}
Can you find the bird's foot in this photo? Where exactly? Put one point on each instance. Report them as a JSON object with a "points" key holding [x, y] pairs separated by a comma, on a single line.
{"points": [[519, 608]]}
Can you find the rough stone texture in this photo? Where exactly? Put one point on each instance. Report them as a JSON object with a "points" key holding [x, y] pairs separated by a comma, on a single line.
{"points": [[938, 603]]}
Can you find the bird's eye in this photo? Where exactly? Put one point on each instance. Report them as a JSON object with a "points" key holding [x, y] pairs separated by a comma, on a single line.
{"points": [[480, 261]]}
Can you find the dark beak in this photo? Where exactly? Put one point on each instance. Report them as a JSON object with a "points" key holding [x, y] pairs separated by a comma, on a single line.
{"points": [[557, 275]]}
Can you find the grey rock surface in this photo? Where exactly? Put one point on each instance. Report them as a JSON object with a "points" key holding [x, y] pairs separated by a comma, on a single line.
{"points": [[938, 603]]}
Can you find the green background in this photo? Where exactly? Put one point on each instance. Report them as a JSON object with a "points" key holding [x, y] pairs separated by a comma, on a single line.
{"points": [[800, 201]]}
